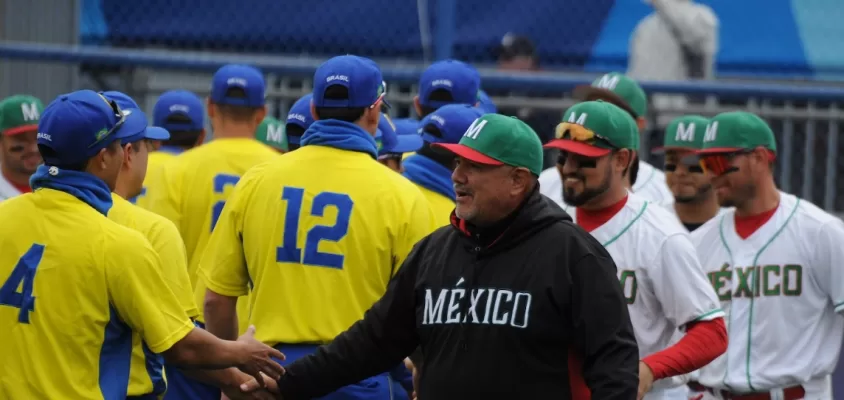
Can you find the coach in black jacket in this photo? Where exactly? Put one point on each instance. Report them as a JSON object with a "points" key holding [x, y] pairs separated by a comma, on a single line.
{"points": [[499, 301]]}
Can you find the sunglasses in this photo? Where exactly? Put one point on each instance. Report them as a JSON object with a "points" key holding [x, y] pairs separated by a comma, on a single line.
{"points": [[382, 92], [692, 163], [721, 163], [121, 119]]}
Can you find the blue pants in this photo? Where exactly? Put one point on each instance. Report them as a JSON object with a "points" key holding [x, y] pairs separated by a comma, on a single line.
{"points": [[181, 387], [379, 387]]}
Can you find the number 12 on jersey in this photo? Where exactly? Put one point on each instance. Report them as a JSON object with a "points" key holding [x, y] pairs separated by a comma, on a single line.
{"points": [[22, 275], [289, 252]]}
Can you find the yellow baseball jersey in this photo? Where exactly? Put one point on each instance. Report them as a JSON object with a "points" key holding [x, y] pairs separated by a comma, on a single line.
{"points": [[318, 233], [146, 374], [75, 288], [156, 160], [441, 206]]}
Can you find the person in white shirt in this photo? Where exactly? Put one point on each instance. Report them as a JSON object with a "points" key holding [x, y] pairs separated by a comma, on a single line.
{"points": [[775, 263], [694, 200], [643, 178], [19, 157], [658, 268]]}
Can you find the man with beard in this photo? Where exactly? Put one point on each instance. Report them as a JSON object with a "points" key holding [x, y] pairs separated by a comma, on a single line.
{"points": [[19, 116], [694, 199], [775, 262], [660, 275]]}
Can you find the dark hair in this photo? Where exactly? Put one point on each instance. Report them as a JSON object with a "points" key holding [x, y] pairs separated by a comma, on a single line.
{"points": [[439, 95], [293, 130], [47, 152], [238, 114], [136, 145], [445, 159], [634, 170], [347, 114], [181, 138]]}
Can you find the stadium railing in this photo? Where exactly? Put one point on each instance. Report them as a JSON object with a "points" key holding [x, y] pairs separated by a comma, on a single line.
{"points": [[806, 118]]}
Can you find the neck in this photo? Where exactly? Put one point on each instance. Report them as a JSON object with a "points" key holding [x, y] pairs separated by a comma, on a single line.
{"points": [[698, 212], [766, 199], [121, 188], [610, 197], [13, 177], [231, 131]]}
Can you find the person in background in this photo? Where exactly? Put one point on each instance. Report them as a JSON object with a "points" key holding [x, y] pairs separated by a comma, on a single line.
{"points": [[182, 114], [431, 170], [446, 82], [271, 133], [485, 103], [298, 120], [392, 146], [19, 158]]}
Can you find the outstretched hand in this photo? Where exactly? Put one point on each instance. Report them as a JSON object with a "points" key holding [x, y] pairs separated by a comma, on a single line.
{"points": [[257, 358]]}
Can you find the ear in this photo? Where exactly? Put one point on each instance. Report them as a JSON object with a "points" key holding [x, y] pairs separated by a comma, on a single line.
{"points": [[417, 106], [642, 123], [372, 117], [260, 114], [521, 180], [623, 159], [201, 138], [313, 112], [212, 109]]}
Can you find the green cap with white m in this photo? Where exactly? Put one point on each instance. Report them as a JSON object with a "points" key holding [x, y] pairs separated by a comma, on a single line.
{"points": [[20, 113], [737, 130], [271, 132], [594, 129], [618, 89], [495, 139], [684, 133]]}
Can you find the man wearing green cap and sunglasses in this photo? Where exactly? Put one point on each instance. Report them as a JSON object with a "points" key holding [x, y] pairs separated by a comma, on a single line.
{"points": [[509, 253], [19, 116], [658, 268], [775, 261], [694, 200], [622, 91]]}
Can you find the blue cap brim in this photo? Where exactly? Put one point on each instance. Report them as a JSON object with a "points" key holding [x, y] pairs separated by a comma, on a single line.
{"points": [[406, 144], [133, 128], [156, 133]]}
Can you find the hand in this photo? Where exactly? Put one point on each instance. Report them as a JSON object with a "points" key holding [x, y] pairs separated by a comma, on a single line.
{"points": [[256, 357], [252, 385], [231, 391], [646, 379], [409, 365]]}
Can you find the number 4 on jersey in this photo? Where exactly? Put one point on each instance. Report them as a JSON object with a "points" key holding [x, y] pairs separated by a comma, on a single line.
{"points": [[22, 275]]}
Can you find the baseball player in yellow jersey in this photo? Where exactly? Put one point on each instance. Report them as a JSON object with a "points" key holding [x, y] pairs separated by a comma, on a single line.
{"points": [[319, 232], [431, 170], [775, 263], [19, 116], [391, 146], [299, 118], [192, 187], [75, 285], [181, 113], [271, 133]]}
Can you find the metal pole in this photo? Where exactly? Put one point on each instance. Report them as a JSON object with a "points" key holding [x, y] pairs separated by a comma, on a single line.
{"points": [[444, 29]]}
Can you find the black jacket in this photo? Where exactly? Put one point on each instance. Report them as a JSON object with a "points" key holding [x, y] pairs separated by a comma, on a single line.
{"points": [[492, 322]]}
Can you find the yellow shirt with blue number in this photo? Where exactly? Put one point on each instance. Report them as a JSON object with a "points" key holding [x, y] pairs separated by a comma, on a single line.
{"points": [[154, 166], [441, 206], [76, 287], [319, 232], [193, 188], [146, 374]]}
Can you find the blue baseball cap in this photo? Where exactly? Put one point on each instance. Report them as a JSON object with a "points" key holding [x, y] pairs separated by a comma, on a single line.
{"points": [[127, 103], [452, 121], [406, 126], [390, 142], [244, 77], [361, 76], [456, 77], [485, 103], [182, 103], [300, 115], [77, 125]]}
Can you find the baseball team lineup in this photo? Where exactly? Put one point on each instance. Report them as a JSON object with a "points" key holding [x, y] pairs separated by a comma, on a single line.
{"points": [[343, 254]]}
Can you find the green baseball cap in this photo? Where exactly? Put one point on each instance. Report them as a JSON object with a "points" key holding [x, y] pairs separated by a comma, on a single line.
{"points": [[20, 113], [495, 139], [737, 130], [684, 133], [594, 128], [618, 89], [271, 132]]}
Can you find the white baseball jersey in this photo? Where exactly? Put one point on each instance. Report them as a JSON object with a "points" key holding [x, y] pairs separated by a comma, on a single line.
{"points": [[7, 190], [662, 280], [782, 289], [650, 185], [671, 210]]}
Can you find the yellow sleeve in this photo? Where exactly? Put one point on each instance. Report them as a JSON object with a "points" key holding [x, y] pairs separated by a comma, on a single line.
{"points": [[165, 240], [223, 264], [140, 294], [420, 224], [166, 200]]}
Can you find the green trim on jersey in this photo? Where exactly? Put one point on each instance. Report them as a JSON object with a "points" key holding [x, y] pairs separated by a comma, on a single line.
{"points": [[626, 228], [715, 311]]}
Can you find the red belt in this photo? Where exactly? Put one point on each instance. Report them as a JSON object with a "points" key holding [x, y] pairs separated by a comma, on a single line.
{"points": [[790, 393]]}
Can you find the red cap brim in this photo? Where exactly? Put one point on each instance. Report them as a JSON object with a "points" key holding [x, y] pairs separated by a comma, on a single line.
{"points": [[468, 153], [21, 129], [716, 150], [580, 148]]}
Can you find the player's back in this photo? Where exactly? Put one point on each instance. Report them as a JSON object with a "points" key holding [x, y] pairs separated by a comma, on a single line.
{"points": [[441, 206], [324, 230], [61, 338], [154, 167], [194, 186]]}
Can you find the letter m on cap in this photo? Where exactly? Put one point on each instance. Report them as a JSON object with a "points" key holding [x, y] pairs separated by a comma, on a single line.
{"points": [[275, 133], [608, 82], [685, 133], [30, 112], [475, 129], [577, 119], [711, 132]]}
